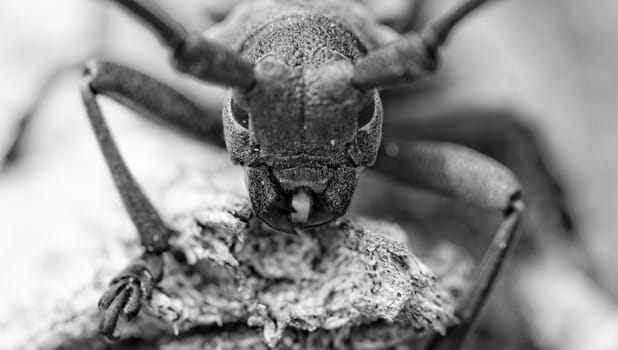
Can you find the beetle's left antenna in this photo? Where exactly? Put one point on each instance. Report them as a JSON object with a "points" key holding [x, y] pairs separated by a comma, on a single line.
{"points": [[413, 56], [192, 53]]}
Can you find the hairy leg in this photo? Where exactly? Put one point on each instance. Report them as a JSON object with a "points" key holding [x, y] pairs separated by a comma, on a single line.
{"points": [[152, 98], [467, 175], [503, 132], [499, 132]]}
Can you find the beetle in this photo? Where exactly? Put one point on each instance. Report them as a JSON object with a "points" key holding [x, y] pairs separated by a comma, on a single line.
{"points": [[303, 117]]}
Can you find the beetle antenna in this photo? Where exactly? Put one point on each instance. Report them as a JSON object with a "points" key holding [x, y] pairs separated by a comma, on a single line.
{"points": [[192, 53], [411, 57], [490, 268], [169, 31]]}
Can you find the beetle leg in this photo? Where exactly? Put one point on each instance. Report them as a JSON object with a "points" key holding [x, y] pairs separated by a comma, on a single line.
{"points": [[192, 53], [155, 100], [127, 290], [133, 285], [165, 104], [465, 174], [498, 132]]}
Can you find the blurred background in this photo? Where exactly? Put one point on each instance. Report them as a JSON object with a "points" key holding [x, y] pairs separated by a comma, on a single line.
{"points": [[555, 59]]}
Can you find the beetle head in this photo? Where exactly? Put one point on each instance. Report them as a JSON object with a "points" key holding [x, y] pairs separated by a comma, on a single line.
{"points": [[302, 134]]}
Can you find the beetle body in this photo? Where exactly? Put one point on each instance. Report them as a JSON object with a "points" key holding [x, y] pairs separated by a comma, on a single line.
{"points": [[303, 130], [303, 117]]}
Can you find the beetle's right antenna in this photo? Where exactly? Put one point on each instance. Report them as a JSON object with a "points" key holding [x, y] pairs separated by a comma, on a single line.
{"points": [[192, 53], [412, 56]]}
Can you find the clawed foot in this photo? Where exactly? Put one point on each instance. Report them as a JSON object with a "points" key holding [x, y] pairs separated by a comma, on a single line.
{"points": [[126, 292]]}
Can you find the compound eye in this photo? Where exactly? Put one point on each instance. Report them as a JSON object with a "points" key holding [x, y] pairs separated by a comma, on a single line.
{"points": [[240, 115], [365, 115]]}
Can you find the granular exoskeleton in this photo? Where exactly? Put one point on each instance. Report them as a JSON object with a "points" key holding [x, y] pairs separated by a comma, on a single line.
{"points": [[303, 117]]}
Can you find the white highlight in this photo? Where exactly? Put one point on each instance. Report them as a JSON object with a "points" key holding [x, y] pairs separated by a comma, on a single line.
{"points": [[301, 205]]}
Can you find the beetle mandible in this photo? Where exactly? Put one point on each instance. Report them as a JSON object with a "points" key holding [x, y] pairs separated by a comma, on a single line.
{"points": [[303, 117]]}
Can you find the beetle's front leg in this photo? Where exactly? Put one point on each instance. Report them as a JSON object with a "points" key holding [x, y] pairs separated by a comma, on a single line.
{"points": [[465, 174], [127, 290], [134, 285]]}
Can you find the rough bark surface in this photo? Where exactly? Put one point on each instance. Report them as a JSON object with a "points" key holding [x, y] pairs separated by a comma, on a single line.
{"points": [[234, 283]]}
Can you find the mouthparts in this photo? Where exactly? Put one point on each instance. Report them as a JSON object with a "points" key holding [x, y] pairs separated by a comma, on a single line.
{"points": [[301, 207]]}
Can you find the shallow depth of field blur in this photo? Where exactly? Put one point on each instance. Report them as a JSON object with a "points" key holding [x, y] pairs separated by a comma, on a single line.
{"points": [[565, 54]]}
